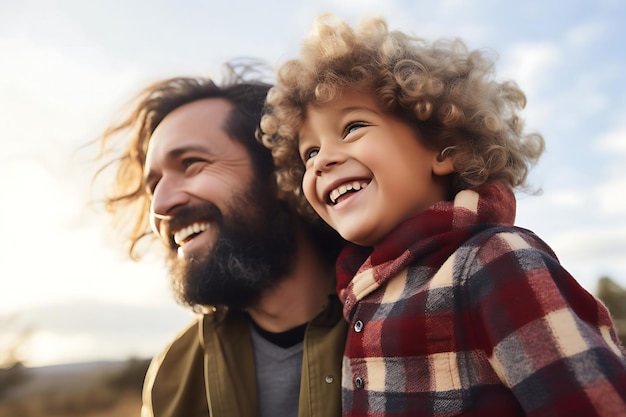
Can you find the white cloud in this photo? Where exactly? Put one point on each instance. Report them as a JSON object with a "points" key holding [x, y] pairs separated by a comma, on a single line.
{"points": [[56, 248], [612, 142], [587, 34], [598, 243], [528, 64], [49, 348], [50, 96], [350, 6], [86, 330], [567, 199], [602, 248], [611, 197]]}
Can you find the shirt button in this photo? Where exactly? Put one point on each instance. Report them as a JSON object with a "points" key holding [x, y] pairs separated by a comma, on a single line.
{"points": [[358, 326], [359, 383], [329, 379]]}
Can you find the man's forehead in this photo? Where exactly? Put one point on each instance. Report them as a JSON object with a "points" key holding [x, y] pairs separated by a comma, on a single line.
{"points": [[200, 115], [199, 124]]}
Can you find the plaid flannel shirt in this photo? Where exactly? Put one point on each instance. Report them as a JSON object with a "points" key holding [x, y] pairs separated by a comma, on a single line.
{"points": [[458, 313]]}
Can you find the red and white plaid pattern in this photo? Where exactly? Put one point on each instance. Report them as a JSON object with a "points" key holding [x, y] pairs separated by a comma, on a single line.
{"points": [[458, 312]]}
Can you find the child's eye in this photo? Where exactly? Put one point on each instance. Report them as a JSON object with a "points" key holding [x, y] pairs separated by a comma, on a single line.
{"points": [[309, 153], [352, 127]]}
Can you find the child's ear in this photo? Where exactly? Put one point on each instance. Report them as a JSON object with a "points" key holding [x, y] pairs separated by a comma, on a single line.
{"points": [[443, 166]]}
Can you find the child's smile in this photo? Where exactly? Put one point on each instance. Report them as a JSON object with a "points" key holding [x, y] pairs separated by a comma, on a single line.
{"points": [[350, 187]]}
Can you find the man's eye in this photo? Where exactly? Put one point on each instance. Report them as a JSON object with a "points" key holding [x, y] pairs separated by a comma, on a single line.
{"points": [[310, 153], [187, 162]]}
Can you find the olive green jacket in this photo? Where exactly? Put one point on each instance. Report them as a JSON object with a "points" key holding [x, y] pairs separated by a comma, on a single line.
{"points": [[208, 370]]}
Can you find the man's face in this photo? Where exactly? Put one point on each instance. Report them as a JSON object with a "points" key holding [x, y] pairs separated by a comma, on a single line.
{"points": [[229, 237]]}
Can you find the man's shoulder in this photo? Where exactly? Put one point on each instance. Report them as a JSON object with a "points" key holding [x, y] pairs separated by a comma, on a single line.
{"points": [[182, 344], [175, 381], [189, 340]]}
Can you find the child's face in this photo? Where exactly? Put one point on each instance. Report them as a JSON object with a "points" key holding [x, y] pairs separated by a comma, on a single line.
{"points": [[366, 170]]}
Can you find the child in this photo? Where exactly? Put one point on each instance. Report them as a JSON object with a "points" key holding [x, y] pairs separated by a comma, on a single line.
{"points": [[411, 150]]}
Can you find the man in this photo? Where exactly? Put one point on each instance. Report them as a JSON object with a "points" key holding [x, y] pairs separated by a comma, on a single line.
{"points": [[269, 335]]}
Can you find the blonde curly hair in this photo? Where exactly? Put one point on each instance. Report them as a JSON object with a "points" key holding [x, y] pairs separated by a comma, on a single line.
{"points": [[445, 90]]}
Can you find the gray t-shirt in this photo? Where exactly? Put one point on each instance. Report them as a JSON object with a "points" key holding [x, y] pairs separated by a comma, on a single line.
{"points": [[278, 373]]}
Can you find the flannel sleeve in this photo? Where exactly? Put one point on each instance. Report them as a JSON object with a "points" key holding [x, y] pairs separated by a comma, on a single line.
{"points": [[548, 339]]}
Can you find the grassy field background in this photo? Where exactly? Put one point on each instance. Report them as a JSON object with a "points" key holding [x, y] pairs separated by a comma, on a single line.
{"points": [[98, 389]]}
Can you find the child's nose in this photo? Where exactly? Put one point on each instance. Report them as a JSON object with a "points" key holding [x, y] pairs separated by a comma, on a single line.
{"points": [[325, 159]]}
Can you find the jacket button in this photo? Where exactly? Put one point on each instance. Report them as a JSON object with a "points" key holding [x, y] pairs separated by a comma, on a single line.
{"points": [[358, 326], [329, 379], [359, 383]]}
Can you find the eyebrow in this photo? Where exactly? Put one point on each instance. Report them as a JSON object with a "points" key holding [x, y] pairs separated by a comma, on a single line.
{"points": [[356, 108], [175, 154], [342, 113]]}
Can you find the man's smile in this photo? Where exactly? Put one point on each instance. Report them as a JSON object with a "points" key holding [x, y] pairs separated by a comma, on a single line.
{"points": [[187, 233]]}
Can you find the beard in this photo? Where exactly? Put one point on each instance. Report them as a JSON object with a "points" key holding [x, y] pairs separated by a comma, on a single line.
{"points": [[253, 252]]}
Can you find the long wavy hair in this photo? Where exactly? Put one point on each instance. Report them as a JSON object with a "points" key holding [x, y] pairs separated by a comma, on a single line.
{"points": [[446, 91]]}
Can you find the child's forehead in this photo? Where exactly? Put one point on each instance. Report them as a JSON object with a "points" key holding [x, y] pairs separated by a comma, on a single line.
{"points": [[332, 114]]}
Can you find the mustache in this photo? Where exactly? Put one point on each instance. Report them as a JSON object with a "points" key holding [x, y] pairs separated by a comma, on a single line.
{"points": [[187, 215]]}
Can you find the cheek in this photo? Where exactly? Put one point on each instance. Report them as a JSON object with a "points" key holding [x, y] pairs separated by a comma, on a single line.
{"points": [[308, 188]]}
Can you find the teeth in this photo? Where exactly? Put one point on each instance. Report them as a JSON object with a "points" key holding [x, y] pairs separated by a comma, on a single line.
{"points": [[185, 232], [344, 188]]}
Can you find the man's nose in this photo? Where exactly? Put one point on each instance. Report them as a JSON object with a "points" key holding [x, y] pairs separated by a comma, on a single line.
{"points": [[167, 196]]}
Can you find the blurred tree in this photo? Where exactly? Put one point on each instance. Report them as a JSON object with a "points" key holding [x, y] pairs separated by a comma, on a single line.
{"points": [[13, 338], [131, 377], [614, 297]]}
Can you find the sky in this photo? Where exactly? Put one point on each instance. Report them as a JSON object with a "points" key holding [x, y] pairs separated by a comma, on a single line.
{"points": [[67, 67]]}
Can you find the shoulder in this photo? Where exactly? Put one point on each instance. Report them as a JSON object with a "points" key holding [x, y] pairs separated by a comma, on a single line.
{"points": [[508, 238], [186, 344], [507, 245], [509, 266], [511, 278], [180, 361]]}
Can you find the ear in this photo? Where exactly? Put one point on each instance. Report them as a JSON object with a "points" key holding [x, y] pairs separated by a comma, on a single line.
{"points": [[443, 166]]}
